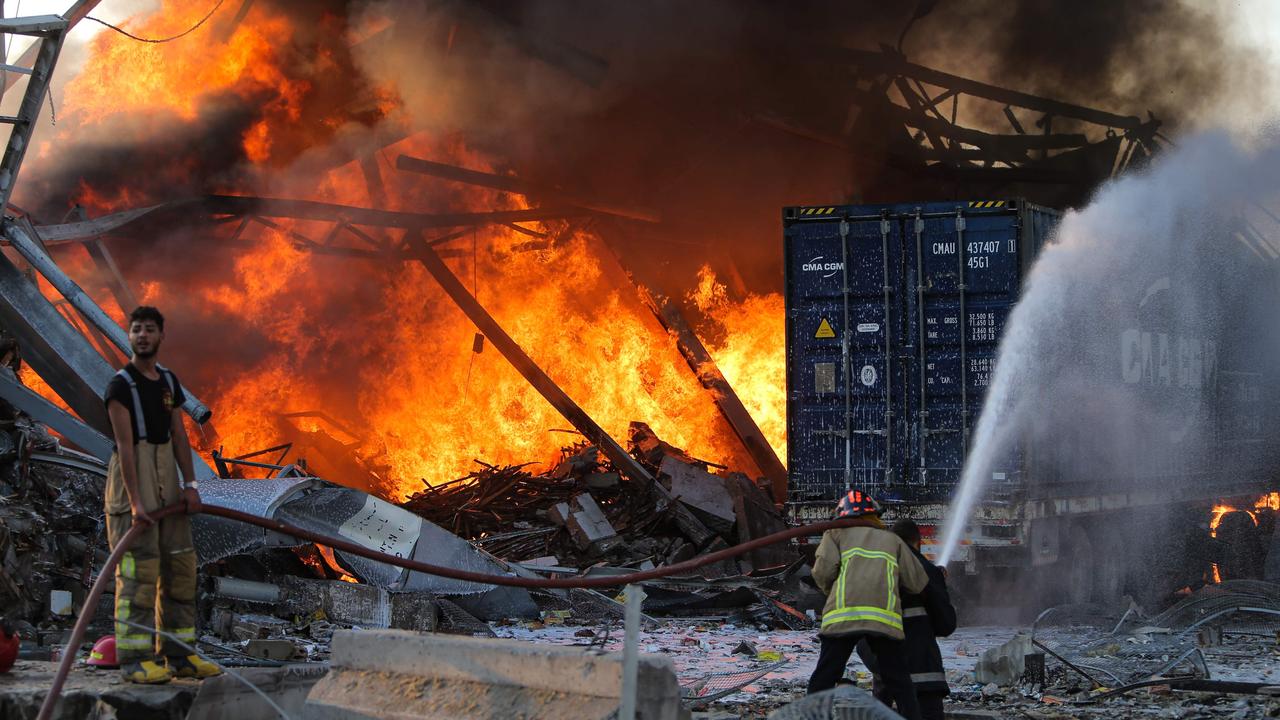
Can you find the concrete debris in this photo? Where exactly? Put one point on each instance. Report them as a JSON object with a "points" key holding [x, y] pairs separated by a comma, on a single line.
{"points": [[386, 674], [522, 517], [1005, 664], [702, 491], [225, 698], [588, 526], [270, 649]]}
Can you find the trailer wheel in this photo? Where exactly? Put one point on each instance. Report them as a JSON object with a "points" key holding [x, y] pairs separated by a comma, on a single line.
{"points": [[1109, 567], [1242, 550], [1080, 567]]}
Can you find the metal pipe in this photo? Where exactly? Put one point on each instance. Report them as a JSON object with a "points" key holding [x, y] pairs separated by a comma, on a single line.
{"points": [[631, 652], [252, 591], [40, 260], [41, 410], [844, 355], [885, 227], [920, 350], [87, 611], [510, 184], [964, 332], [95, 593]]}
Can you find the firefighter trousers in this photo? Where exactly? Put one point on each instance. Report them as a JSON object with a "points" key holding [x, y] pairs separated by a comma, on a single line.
{"points": [[156, 577]]}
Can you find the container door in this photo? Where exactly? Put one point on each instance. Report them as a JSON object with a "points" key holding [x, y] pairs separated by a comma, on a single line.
{"points": [[964, 271], [844, 306]]}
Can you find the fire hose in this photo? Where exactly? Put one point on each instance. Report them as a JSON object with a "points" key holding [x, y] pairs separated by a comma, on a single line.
{"points": [[95, 592]]}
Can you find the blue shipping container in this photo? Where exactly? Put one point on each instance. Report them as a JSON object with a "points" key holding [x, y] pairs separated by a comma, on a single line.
{"points": [[894, 313]]}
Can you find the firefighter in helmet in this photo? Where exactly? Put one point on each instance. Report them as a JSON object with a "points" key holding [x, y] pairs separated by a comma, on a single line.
{"points": [[860, 569]]}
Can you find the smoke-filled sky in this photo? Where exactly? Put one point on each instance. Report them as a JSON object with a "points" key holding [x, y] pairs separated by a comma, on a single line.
{"points": [[963, 36]]}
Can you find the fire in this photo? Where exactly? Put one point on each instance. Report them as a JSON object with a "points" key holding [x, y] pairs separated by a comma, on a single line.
{"points": [[1269, 501], [139, 78], [1219, 511], [326, 552], [378, 346], [752, 352]]}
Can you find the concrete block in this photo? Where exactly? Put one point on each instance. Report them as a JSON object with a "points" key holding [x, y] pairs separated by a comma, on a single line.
{"points": [[559, 513], [588, 526], [702, 492], [342, 602], [225, 698], [271, 649], [413, 611], [398, 674]]}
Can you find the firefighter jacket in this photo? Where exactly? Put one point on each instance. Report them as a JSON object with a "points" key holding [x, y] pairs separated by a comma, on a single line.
{"points": [[926, 616], [859, 569]]}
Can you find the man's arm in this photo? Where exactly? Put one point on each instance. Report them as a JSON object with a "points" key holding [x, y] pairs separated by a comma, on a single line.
{"points": [[914, 578], [937, 602], [122, 429], [182, 453], [826, 563]]}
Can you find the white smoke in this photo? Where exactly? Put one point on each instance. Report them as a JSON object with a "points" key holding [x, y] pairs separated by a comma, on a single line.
{"points": [[1137, 349]]}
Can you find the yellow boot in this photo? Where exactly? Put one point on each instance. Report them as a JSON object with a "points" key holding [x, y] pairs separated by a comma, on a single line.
{"points": [[192, 666], [147, 672]]}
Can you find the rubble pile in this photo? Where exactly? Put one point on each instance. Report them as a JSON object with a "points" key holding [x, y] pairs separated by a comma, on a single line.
{"points": [[51, 532], [585, 512]]}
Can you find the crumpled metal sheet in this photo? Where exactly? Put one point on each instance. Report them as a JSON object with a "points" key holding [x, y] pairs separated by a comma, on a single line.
{"points": [[216, 538], [322, 507]]}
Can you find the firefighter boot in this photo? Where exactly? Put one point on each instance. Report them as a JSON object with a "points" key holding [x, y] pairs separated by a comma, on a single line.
{"points": [[146, 672], [192, 666]]}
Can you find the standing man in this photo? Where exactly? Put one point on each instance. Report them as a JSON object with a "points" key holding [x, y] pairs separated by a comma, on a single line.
{"points": [[926, 617], [156, 577], [860, 569]]}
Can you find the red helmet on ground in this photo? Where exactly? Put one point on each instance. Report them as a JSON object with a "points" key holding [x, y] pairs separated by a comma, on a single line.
{"points": [[104, 652], [856, 503], [9, 642]]}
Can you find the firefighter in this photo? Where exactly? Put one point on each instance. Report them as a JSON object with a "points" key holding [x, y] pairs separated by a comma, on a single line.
{"points": [[926, 616], [860, 569], [156, 577]]}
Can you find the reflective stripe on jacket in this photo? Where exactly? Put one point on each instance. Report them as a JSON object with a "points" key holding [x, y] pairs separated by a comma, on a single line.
{"points": [[860, 569]]}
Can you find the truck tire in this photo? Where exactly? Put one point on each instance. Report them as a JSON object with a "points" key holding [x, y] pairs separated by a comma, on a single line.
{"points": [[1241, 547], [1109, 566], [1080, 568]]}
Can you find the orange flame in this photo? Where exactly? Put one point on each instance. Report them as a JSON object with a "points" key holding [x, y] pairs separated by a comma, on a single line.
{"points": [[752, 354], [326, 552], [422, 404]]}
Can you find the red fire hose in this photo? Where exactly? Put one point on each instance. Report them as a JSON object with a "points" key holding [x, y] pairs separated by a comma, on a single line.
{"points": [[107, 572]]}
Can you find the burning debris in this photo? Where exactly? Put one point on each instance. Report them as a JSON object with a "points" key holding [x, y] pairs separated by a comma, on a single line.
{"points": [[393, 296]]}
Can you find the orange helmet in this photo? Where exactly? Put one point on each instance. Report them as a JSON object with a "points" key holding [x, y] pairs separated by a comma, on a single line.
{"points": [[856, 503], [104, 652]]}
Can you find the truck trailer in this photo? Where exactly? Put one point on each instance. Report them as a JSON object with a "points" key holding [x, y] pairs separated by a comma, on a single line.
{"points": [[894, 319]]}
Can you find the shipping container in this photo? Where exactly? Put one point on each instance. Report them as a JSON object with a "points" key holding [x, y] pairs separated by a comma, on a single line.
{"points": [[894, 316]]}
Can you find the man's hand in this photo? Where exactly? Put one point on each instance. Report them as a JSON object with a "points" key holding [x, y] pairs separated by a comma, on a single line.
{"points": [[140, 515], [191, 497]]}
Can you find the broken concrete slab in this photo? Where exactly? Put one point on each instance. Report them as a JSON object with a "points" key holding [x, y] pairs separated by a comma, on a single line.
{"points": [[392, 674], [225, 698], [1003, 665], [270, 649], [588, 526], [414, 611], [356, 604], [701, 491], [755, 517], [92, 693]]}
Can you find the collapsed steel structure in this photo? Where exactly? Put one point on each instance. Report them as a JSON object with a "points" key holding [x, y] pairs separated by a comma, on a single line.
{"points": [[914, 125]]}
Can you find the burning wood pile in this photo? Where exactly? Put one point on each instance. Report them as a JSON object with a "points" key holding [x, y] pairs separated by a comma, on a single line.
{"points": [[583, 511]]}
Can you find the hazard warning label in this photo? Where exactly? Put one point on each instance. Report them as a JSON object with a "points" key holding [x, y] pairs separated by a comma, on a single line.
{"points": [[825, 330]]}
